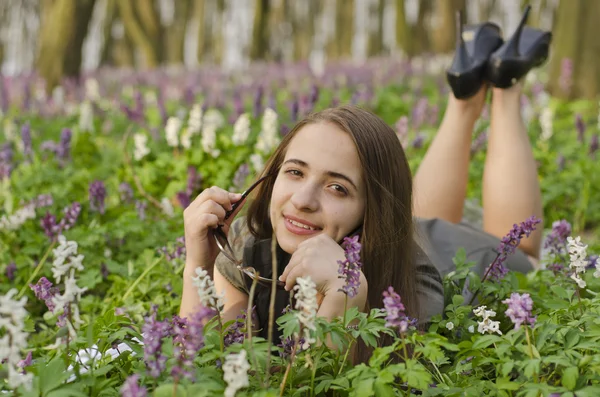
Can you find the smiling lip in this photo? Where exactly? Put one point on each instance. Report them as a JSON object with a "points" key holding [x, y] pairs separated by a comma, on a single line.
{"points": [[298, 229]]}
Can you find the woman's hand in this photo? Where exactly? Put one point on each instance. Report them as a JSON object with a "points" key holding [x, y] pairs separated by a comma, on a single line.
{"points": [[318, 258], [206, 212]]}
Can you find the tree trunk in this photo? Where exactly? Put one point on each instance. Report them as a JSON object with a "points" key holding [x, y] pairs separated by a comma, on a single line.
{"points": [[444, 36], [344, 14], [259, 48], [375, 28], [108, 43], [303, 27], [402, 29], [574, 39], [141, 24], [64, 25], [175, 33], [199, 13], [420, 31]]}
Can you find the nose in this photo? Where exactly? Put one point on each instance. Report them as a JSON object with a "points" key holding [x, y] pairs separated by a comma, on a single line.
{"points": [[305, 197]]}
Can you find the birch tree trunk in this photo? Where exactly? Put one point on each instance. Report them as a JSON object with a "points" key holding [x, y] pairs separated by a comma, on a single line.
{"points": [[259, 48], [142, 25], [175, 33], [574, 39], [444, 35], [64, 25]]}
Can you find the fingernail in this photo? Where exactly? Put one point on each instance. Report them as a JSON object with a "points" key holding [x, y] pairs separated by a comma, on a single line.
{"points": [[280, 278]]}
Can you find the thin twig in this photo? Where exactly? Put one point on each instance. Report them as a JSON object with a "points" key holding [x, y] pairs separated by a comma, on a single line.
{"points": [[136, 180], [249, 326], [37, 270], [289, 366], [274, 271]]}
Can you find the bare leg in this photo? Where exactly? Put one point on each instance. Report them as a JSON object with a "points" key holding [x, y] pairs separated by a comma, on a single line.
{"points": [[511, 190], [440, 184]]}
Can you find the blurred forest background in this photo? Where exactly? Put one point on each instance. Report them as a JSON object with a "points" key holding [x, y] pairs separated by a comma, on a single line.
{"points": [[63, 38]]}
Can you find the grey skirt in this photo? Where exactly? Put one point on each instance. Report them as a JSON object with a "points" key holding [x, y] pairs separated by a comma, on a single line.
{"points": [[441, 239]]}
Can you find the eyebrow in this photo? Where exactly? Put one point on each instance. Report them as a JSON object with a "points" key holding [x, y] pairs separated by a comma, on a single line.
{"points": [[330, 173]]}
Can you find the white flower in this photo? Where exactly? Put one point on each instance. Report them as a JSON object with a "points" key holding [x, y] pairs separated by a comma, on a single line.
{"points": [[580, 282], [235, 372], [486, 324], [306, 307], [269, 135], [206, 290], [546, 123], [71, 294], [213, 118], [86, 117], [186, 138], [195, 120], [92, 89], [209, 140], [241, 129], [449, 325], [257, 162], [141, 150], [14, 339], [16, 220], [65, 258], [577, 253], [172, 131], [471, 329], [167, 207]]}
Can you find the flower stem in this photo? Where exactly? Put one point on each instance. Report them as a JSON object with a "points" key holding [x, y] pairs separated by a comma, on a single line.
{"points": [[345, 357], [137, 281], [484, 278], [249, 326], [529, 342], [271, 304], [404, 346], [289, 366], [37, 269]]}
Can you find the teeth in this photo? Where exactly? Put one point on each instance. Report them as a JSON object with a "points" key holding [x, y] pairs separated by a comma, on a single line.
{"points": [[301, 225]]}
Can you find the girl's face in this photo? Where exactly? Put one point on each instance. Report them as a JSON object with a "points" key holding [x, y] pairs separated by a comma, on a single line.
{"points": [[319, 189]]}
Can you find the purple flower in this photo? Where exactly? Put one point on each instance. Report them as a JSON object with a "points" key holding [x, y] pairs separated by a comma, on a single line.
{"points": [[10, 271], [566, 74], [294, 109], [194, 181], [125, 192], [580, 126], [350, 268], [592, 261], [239, 179], [131, 388], [44, 291], [188, 340], [479, 142], [556, 268], [97, 194], [26, 362], [6, 157], [395, 310], [184, 199], [556, 241], [63, 150], [258, 99], [4, 99], [419, 113], [287, 346], [509, 243], [140, 207], [236, 332], [50, 226], [26, 137], [238, 105], [417, 143], [154, 332], [402, 129], [594, 144], [178, 251], [313, 96], [519, 309], [43, 200], [71, 215]]}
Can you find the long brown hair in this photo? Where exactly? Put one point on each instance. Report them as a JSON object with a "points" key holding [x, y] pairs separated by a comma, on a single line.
{"points": [[387, 233]]}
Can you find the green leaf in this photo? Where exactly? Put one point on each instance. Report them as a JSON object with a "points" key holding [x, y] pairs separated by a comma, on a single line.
{"points": [[51, 375], [364, 388], [486, 341], [572, 338], [569, 377], [383, 390], [507, 384]]}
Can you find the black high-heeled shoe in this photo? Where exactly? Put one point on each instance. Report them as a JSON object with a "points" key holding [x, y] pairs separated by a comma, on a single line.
{"points": [[474, 44], [526, 49]]}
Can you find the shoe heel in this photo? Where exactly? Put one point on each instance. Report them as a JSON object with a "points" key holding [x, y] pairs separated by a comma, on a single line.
{"points": [[461, 75]]}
